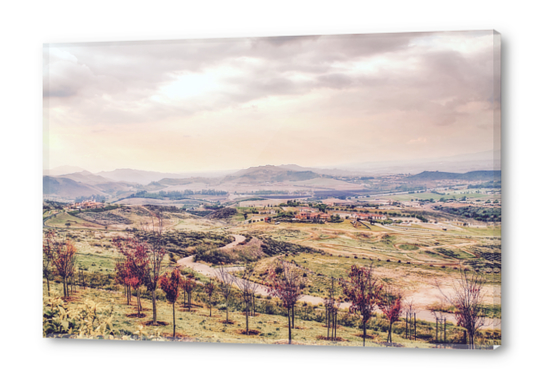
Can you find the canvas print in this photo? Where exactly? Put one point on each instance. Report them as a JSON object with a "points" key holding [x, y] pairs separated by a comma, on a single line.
{"points": [[333, 190]]}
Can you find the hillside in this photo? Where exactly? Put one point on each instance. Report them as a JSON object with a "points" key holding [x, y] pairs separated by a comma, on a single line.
{"points": [[269, 173], [68, 188], [486, 175], [135, 176]]}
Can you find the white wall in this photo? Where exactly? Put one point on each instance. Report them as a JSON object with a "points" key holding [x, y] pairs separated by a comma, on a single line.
{"points": [[26, 25]]}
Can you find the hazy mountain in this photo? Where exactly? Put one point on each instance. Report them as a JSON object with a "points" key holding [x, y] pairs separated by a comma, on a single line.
{"points": [[85, 177], [321, 171], [136, 176], [68, 188], [84, 183], [62, 170], [485, 160], [269, 173]]}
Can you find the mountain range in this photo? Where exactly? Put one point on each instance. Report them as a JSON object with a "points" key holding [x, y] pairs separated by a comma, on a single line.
{"points": [[123, 182]]}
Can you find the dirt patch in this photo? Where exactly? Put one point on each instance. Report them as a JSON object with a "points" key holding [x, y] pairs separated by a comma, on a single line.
{"points": [[186, 310], [285, 342], [296, 327], [135, 315], [368, 336], [177, 335], [335, 339], [391, 344], [250, 314], [251, 332], [229, 322], [157, 323], [325, 326]]}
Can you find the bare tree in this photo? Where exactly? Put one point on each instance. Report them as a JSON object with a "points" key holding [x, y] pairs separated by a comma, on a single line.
{"points": [[48, 256], [332, 309], [248, 288], [467, 297], [156, 253], [226, 281], [285, 282], [209, 289]]}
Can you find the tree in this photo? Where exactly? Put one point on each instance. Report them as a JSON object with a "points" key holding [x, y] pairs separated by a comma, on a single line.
{"points": [[226, 281], [209, 289], [170, 285], [48, 254], [188, 285], [248, 288], [391, 305], [467, 297], [332, 308], [135, 266], [63, 260], [122, 277], [363, 290], [285, 282], [156, 253]]}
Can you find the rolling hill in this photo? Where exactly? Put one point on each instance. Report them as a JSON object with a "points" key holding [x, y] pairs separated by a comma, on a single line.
{"points": [[486, 175]]}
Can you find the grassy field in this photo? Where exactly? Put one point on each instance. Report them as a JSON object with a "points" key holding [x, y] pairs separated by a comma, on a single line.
{"points": [[197, 326], [410, 258]]}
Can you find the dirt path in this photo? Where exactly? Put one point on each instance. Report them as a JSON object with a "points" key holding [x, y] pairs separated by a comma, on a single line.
{"points": [[314, 300], [238, 240]]}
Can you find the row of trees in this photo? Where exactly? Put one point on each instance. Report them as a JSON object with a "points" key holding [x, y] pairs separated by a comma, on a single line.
{"points": [[141, 265]]}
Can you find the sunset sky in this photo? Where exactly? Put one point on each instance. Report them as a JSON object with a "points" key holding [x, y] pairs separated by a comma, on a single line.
{"points": [[197, 105]]}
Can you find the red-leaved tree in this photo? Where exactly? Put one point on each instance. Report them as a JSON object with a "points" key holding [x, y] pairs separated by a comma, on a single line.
{"points": [[391, 305], [63, 260], [136, 265], [285, 282], [122, 275], [170, 285], [363, 290]]}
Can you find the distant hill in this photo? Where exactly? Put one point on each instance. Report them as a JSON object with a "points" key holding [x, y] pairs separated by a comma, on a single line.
{"points": [[84, 183], [68, 188], [85, 177], [269, 173], [136, 176], [487, 175], [62, 170]]}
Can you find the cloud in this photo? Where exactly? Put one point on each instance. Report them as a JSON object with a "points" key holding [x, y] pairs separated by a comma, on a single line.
{"points": [[408, 84]]}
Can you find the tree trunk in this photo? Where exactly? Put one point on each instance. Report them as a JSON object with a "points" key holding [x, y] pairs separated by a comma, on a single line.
{"points": [[154, 306], [210, 307], [289, 328], [227, 314], [48, 287], [246, 314], [327, 321], [335, 326], [139, 307], [364, 332], [389, 332], [293, 316], [173, 320]]}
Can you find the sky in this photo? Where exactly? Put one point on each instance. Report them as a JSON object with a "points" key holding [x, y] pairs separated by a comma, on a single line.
{"points": [[316, 101]]}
